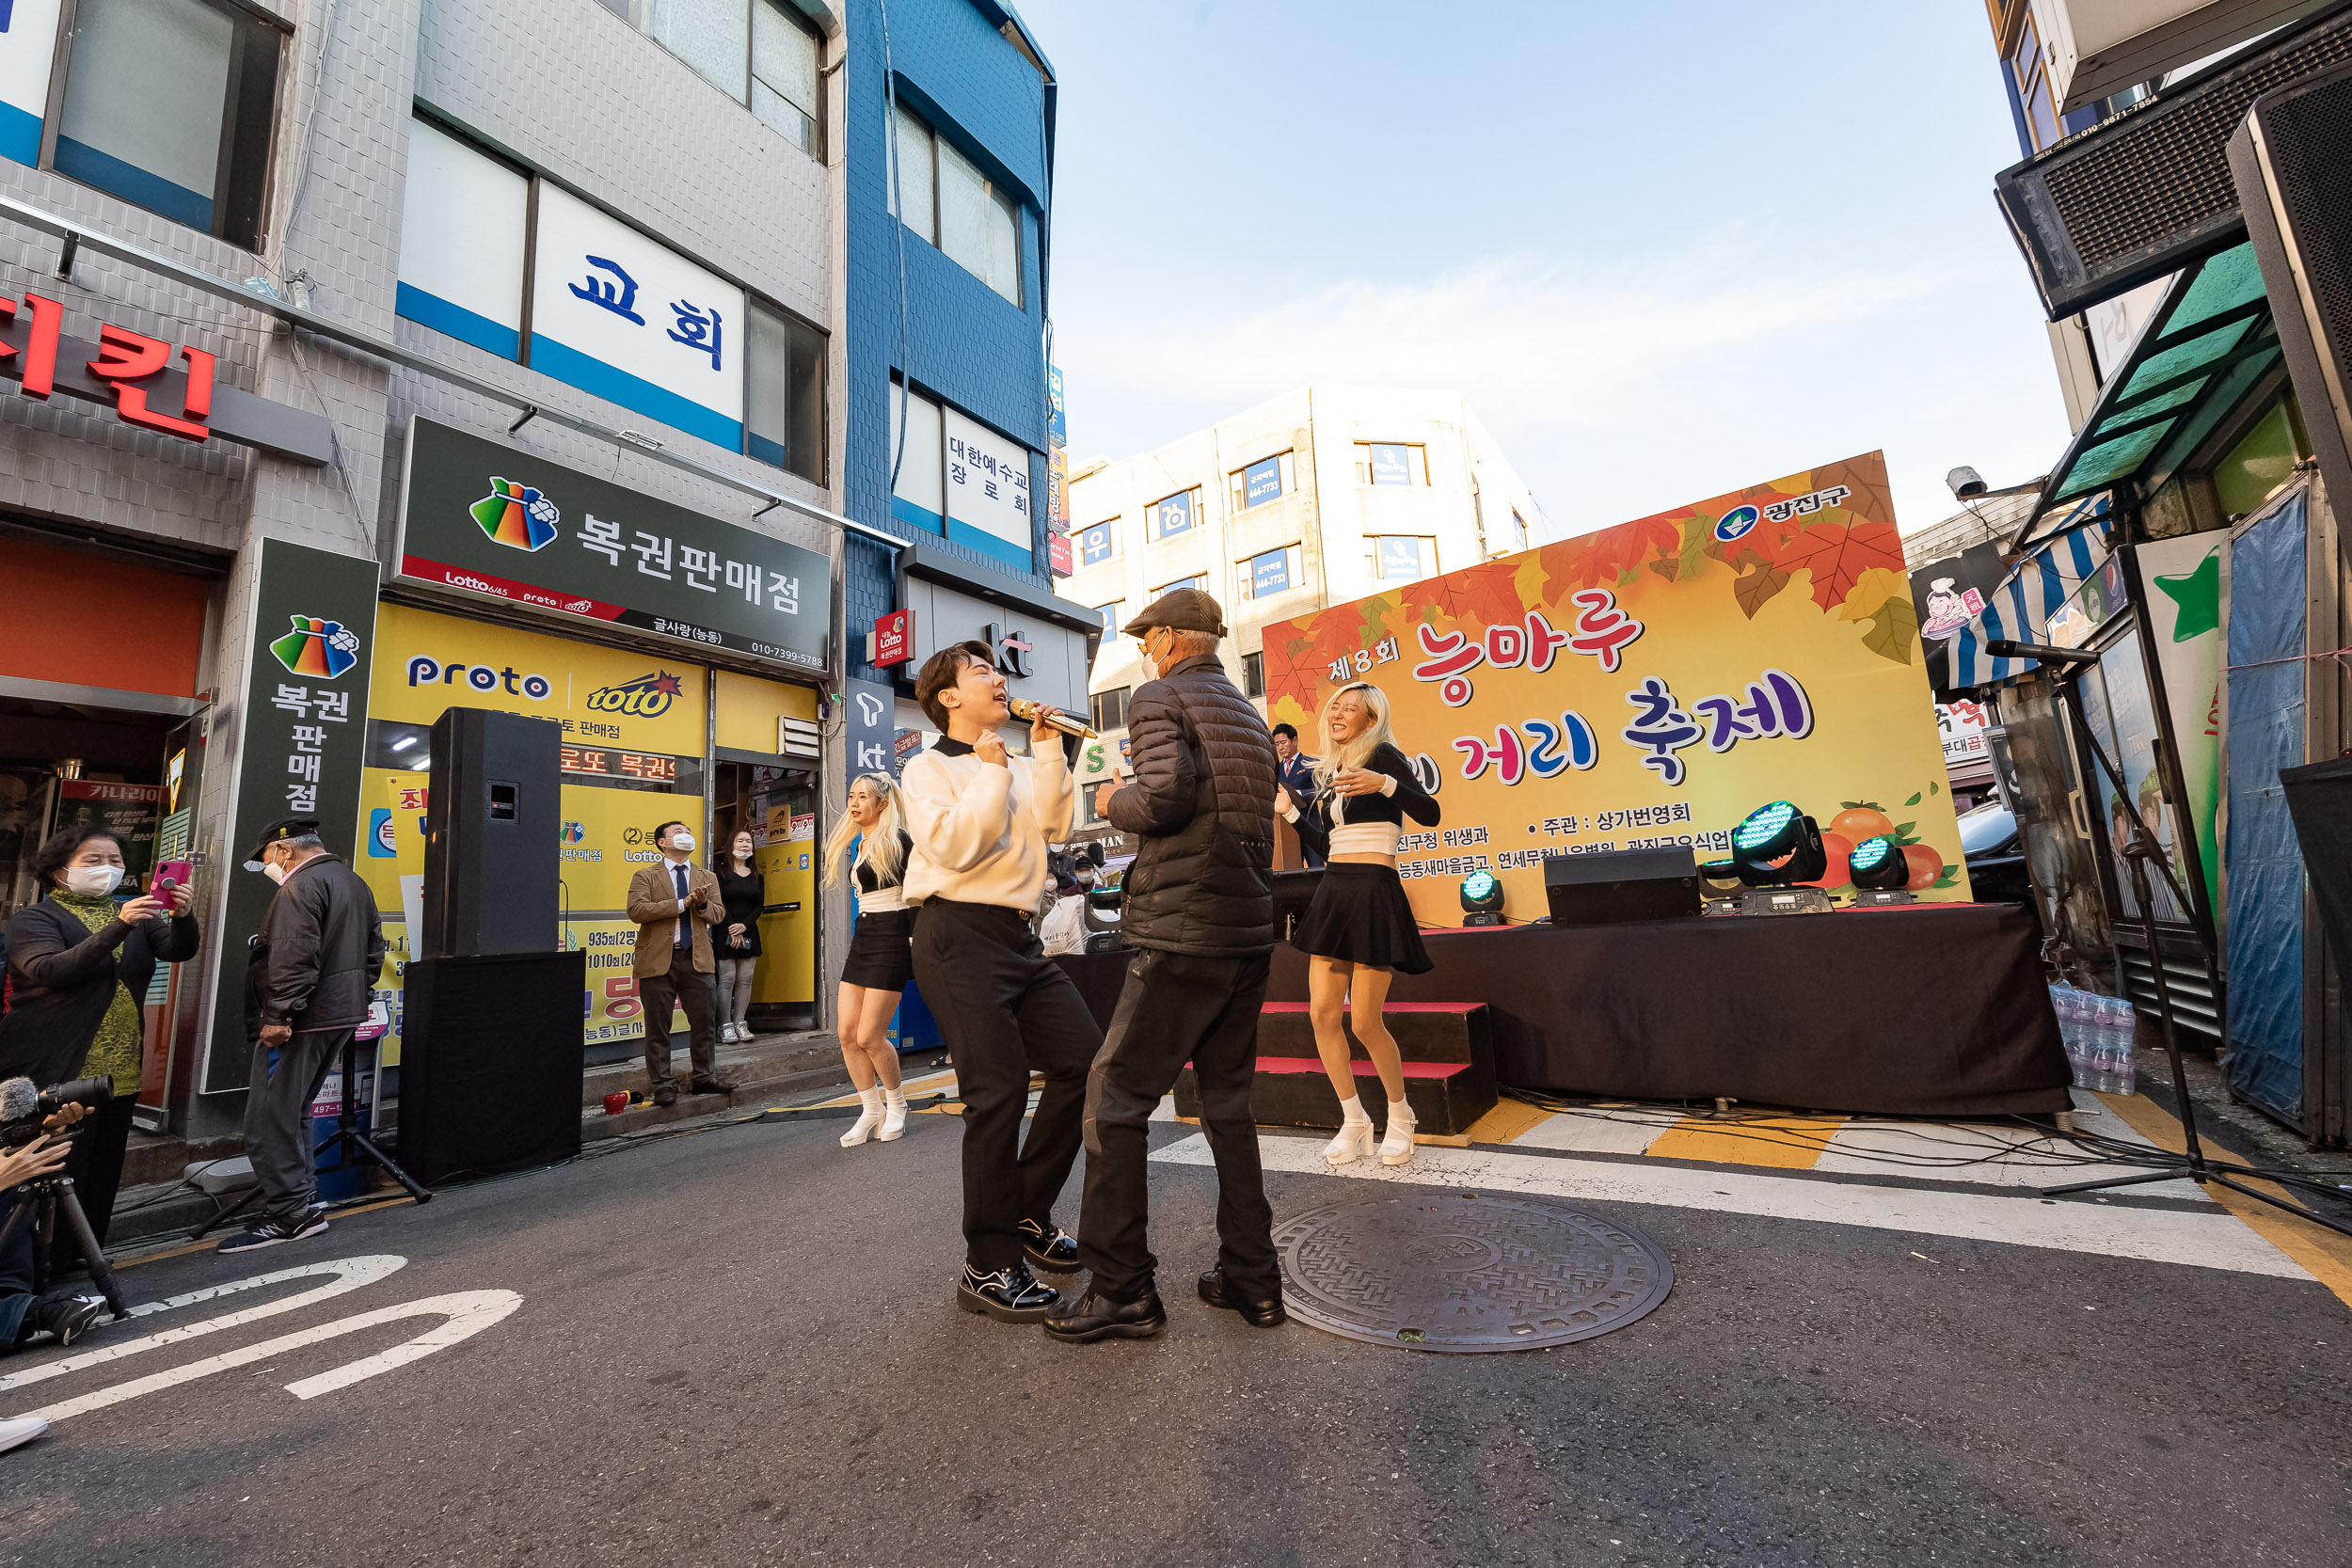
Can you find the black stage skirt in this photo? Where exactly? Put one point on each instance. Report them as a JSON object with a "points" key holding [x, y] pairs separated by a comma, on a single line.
{"points": [[882, 951], [1359, 914]]}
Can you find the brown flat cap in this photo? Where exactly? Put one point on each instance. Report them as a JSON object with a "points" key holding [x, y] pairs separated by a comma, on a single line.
{"points": [[1186, 609]]}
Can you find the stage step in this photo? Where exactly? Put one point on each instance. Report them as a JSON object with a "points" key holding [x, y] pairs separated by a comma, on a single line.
{"points": [[1448, 1061]]}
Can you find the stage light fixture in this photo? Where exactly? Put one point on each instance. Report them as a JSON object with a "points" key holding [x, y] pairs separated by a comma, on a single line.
{"points": [[1778, 845], [1766, 833], [1482, 899], [1878, 865]]}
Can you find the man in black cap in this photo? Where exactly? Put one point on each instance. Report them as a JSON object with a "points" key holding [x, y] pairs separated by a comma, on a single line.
{"points": [[1200, 912], [307, 989]]}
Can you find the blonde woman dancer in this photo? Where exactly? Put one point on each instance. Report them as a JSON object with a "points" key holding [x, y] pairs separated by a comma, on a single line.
{"points": [[1359, 931], [880, 960]]}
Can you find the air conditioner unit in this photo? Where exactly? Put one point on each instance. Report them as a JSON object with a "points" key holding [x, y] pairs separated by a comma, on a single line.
{"points": [[2099, 47]]}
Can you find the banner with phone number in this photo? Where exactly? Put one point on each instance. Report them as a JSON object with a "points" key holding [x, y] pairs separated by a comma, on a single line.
{"points": [[1651, 684]]}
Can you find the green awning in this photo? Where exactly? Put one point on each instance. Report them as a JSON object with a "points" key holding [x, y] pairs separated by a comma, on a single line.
{"points": [[2204, 346]]}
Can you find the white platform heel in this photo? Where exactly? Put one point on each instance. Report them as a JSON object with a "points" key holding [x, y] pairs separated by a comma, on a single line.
{"points": [[894, 1117], [868, 1119], [1354, 1140], [1397, 1147]]}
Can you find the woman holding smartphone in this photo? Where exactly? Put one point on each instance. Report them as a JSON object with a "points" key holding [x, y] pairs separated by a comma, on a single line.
{"points": [[882, 951], [1359, 931]]}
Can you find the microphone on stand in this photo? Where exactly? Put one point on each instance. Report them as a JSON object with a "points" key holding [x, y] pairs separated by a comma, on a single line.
{"points": [[1026, 710]]}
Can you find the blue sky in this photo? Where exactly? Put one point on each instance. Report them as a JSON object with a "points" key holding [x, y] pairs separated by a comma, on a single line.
{"points": [[1661, 260]]}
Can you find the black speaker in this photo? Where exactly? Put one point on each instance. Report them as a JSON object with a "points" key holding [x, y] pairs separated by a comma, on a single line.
{"points": [[2288, 161], [1611, 885], [490, 826], [489, 1064]]}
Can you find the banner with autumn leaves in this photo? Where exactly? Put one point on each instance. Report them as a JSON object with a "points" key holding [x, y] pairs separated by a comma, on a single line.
{"points": [[1650, 684]]}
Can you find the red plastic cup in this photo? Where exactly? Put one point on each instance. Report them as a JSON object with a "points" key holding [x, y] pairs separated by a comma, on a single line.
{"points": [[615, 1104]]}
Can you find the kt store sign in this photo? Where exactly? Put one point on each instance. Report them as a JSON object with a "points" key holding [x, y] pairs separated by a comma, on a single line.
{"points": [[150, 383]]}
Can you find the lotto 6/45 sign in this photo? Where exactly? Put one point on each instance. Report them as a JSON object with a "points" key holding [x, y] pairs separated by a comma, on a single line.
{"points": [[1652, 684]]}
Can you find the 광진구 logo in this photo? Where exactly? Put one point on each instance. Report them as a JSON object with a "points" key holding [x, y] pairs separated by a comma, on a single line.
{"points": [[317, 647], [647, 696], [517, 515]]}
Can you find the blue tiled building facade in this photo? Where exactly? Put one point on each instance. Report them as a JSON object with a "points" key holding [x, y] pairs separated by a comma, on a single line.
{"points": [[968, 68]]}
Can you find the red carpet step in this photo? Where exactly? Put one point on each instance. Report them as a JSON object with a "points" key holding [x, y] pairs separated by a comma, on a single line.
{"points": [[1449, 1064]]}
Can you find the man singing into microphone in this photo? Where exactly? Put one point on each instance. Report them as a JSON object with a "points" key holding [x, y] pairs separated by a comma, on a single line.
{"points": [[980, 820], [1200, 911]]}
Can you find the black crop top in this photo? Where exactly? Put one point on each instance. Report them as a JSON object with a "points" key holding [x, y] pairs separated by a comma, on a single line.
{"points": [[1409, 799], [869, 876]]}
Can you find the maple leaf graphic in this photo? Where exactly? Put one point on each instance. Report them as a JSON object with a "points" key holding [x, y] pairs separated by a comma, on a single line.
{"points": [[1837, 553]]}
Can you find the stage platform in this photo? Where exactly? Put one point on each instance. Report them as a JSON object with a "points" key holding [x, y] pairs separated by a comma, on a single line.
{"points": [[1933, 1009]]}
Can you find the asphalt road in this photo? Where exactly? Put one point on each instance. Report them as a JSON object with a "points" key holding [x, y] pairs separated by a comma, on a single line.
{"points": [[741, 1346]]}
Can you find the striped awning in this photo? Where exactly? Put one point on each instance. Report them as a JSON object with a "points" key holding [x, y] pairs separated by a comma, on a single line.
{"points": [[2021, 608]]}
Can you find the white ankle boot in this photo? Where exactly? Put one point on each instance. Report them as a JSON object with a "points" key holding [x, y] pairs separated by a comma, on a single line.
{"points": [[867, 1118], [1397, 1147], [1354, 1139], [894, 1115]]}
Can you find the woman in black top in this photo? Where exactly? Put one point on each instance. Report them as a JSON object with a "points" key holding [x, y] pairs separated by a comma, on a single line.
{"points": [[734, 943], [1359, 929], [882, 951]]}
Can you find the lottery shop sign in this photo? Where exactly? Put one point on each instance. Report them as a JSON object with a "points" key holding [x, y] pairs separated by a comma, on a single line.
{"points": [[1652, 684], [148, 382], [490, 519]]}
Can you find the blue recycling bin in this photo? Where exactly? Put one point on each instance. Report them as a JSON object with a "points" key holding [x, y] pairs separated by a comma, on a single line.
{"points": [[912, 1027]]}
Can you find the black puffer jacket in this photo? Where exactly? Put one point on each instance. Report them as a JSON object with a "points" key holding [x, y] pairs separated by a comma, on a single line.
{"points": [[1201, 802]]}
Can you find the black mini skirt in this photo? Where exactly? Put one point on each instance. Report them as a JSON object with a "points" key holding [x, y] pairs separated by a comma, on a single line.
{"points": [[1359, 914], [882, 951]]}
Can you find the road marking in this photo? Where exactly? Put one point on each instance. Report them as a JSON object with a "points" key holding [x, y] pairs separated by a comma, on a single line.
{"points": [[1790, 1143], [2207, 1237], [468, 1313], [352, 1274]]}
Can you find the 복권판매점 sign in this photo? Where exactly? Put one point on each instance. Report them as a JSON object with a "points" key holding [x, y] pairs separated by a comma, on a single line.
{"points": [[490, 519]]}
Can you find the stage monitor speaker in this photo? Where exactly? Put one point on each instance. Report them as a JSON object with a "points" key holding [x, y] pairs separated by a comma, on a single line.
{"points": [[2288, 160], [1612, 885], [490, 826], [491, 1064]]}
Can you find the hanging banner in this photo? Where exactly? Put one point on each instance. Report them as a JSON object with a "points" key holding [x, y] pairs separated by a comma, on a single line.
{"points": [[300, 735], [2188, 583], [1652, 684]]}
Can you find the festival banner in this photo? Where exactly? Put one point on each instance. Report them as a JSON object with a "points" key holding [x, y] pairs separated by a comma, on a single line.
{"points": [[1652, 684]]}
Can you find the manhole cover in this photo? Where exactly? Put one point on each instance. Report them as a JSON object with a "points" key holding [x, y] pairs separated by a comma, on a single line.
{"points": [[1467, 1271]]}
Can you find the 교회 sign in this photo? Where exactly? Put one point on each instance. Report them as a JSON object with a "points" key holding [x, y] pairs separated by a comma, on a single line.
{"points": [[490, 519]]}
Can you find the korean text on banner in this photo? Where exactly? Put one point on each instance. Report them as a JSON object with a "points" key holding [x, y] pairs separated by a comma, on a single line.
{"points": [[987, 492], [1652, 684]]}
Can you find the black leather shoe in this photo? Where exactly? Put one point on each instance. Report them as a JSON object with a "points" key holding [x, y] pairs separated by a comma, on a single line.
{"points": [[1055, 1251], [1257, 1314], [1009, 1295], [715, 1085], [1098, 1317], [665, 1095]]}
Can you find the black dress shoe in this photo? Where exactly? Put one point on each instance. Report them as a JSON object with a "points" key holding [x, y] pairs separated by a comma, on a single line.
{"points": [[665, 1095], [1098, 1317], [715, 1085], [1257, 1314], [1055, 1251], [1010, 1295]]}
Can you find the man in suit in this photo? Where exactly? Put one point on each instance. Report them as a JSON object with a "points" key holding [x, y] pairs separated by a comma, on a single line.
{"points": [[674, 902], [1297, 776]]}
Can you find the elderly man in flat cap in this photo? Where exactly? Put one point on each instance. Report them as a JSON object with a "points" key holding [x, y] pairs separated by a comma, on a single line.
{"points": [[307, 988], [1199, 912]]}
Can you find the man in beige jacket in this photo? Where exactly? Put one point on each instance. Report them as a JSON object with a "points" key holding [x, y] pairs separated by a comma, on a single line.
{"points": [[674, 902]]}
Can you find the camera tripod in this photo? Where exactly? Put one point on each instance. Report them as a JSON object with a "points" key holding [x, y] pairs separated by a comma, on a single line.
{"points": [[2143, 853], [44, 1199], [346, 1141]]}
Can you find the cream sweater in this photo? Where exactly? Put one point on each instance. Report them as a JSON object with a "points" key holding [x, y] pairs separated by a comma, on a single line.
{"points": [[980, 830]]}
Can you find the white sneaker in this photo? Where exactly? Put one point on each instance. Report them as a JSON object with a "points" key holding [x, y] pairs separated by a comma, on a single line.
{"points": [[894, 1125], [868, 1119], [22, 1430], [1397, 1147]]}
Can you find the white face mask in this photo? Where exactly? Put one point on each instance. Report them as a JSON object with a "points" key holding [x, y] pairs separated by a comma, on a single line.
{"points": [[92, 881], [682, 843], [275, 872]]}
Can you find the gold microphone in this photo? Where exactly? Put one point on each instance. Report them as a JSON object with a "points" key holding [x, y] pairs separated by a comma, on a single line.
{"points": [[1026, 710]]}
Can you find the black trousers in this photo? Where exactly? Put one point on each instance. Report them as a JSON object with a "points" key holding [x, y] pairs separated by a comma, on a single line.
{"points": [[1004, 1007], [1177, 1007], [95, 1163], [688, 988], [278, 1117]]}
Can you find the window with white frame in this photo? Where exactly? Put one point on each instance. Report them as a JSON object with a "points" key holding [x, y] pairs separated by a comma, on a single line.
{"points": [[1167, 587], [1173, 515], [1402, 557], [1112, 613], [1275, 571], [1253, 674], [166, 105], [759, 53], [1095, 544], [946, 198], [1269, 479], [1392, 463], [1110, 708]]}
